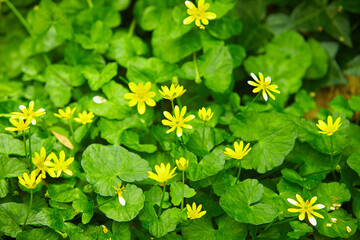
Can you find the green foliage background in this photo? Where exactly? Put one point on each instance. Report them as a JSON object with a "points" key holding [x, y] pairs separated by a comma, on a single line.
{"points": [[66, 52]]}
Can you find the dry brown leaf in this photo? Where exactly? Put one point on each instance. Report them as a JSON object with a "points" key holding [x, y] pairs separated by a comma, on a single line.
{"points": [[62, 139]]}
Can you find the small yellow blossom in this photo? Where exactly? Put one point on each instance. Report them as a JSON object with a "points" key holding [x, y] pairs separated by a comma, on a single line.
{"points": [[240, 151], [205, 115], [182, 163], [119, 191], [198, 14], [163, 173], [104, 229], [348, 229], [177, 121], [30, 181], [65, 115], [28, 113], [85, 117], [330, 127], [59, 165], [20, 125], [306, 208], [333, 220], [140, 95], [264, 85], [329, 224], [39, 161], [172, 93], [194, 212]]}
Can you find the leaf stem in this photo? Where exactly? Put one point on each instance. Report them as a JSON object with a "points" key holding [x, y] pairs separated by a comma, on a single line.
{"points": [[203, 134], [132, 28], [197, 75], [172, 107], [331, 151], [239, 171], [182, 194], [19, 16], [310, 174], [255, 98], [71, 128], [279, 223], [26, 154], [109, 200], [30, 153], [161, 201], [90, 3], [30, 206]]}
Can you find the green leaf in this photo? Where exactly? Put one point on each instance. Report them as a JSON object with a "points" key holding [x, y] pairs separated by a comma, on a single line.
{"points": [[354, 103], [203, 229], [86, 207], [98, 38], [132, 140], [4, 188], [350, 5], [319, 64], [108, 15], [154, 195], [54, 219], [106, 166], [237, 54], [151, 70], [167, 222], [273, 140], [329, 193], [10, 145], [306, 182], [225, 27], [96, 80], [38, 233], [134, 198], [176, 192], [340, 104], [286, 60], [353, 161], [65, 192], [303, 104], [337, 229], [352, 67], [11, 167], [123, 48], [12, 216], [300, 229], [241, 203]]}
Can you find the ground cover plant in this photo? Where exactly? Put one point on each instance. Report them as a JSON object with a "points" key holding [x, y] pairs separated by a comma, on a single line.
{"points": [[173, 119]]}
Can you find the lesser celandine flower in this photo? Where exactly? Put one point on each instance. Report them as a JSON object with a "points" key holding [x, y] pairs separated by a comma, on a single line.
{"points": [[194, 212], [119, 191], [330, 127], [20, 125], [163, 173], [85, 117], [39, 161], [28, 113], [199, 14], [140, 95], [240, 151], [182, 163], [205, 115], [348, 229], [59, 165], [306, 208], [30, 181], [65, 115], [263, 85], [172, 93], [177, 121]]}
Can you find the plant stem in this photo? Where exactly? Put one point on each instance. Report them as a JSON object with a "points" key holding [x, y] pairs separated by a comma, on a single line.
{"points": [[90, 3], [179, 102], [71, 128], [161, 201], [109, 200], [203, 135], [30, 154], [30, 206], [182, 195], [132, 28], [331, 151], [26, 154], [124, 79], [197, 75], [239, 171], [279, 223], [255, 98], [309, 174], [19, 16], [172, 107]]}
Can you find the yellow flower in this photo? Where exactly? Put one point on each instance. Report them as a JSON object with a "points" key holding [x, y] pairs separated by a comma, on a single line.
{"points": [[173, 92], [65, 115], [119, 191], [199, 13], [306, 207], [59, 165], [163, 173], [20, 125], [177, 121], [194, 212], [348, 229], [141, 95], [85, 117], [28, 113], [205, 115], [30, 181], [330, 127], [104, 229], [264, 85], [240, 151], [39, 161], [182, 163]]}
